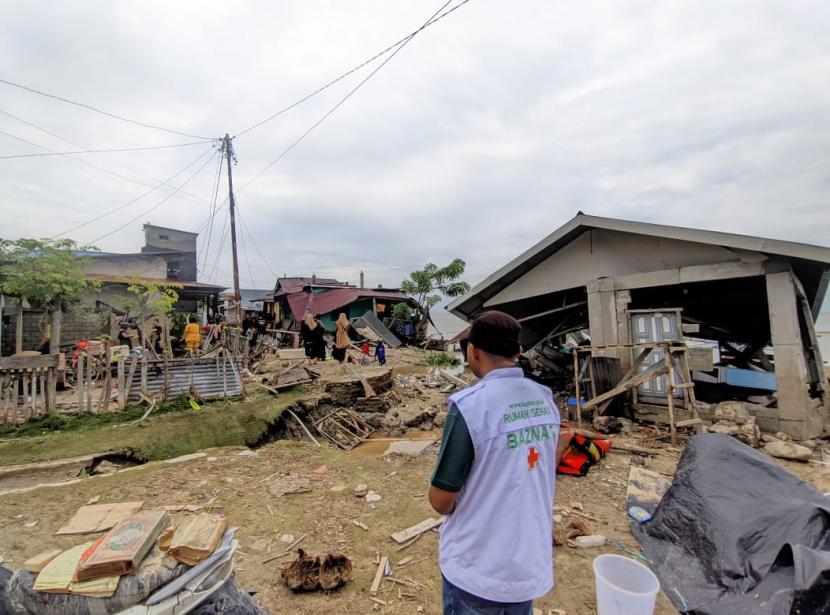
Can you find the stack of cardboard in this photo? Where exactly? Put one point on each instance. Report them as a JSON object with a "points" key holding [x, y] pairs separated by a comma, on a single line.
{"points": [[197, 537], [94, 568], [121, 550]]}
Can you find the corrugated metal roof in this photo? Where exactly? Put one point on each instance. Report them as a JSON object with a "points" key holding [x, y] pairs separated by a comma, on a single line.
{"points": [[335, 298], [580, 223], [294, 285], [371, 321]]}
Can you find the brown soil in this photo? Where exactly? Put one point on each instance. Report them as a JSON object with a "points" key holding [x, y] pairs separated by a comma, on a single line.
{"points": [[245, 487]]}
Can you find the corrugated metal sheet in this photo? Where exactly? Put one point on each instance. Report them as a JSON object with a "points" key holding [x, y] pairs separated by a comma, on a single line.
{"points": [[335, 298], [206, 376], [373, 323]]}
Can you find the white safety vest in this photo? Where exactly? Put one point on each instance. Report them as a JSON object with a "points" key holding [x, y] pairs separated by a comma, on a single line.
{"points": [[497, 543]]}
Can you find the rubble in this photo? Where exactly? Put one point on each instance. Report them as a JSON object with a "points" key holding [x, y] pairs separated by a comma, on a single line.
{"points": [[788, 450]]}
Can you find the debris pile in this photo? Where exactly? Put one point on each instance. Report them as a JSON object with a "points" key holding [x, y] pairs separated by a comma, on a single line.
{"points": [[307, 573]]}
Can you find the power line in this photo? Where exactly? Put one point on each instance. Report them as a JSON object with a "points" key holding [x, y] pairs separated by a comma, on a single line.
{"points": [[101, 111], [86, 163], [297, 141], [215, 192], [221, 247], [138, 198], [351, 71], [256, 246], [156, 206], [97, 151], [245, 253]]}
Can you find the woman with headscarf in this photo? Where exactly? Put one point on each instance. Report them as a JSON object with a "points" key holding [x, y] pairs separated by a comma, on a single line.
{"points": [[307, 330], [341, 338]]}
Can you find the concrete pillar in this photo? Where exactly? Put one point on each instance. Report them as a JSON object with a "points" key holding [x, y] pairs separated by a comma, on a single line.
{"points": [[622, 300], [602, 314], [798, 414]]}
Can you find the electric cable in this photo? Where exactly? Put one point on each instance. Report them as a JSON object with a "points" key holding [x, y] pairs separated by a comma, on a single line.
{"points": [[138, 198], [96, 151], [212, 215], [351, 71], [157, 205], [101, 111], [86, 163], [351, 92]]}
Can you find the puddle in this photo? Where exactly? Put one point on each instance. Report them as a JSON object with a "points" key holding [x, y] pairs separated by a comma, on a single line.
{"points": [[376, 446]]}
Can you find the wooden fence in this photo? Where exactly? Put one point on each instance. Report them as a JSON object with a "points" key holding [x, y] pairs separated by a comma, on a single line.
{"points": [[28, 386]]}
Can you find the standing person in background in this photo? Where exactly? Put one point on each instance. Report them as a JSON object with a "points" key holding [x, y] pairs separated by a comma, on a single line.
{"points": [[494, 479], [307, 333], [380, 353], [318, 347], [341, 338], [192, 334], [364, 354]]}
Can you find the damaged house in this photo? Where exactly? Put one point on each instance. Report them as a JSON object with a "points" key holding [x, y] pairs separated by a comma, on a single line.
{"points": [[327, 298], [746, 304]]}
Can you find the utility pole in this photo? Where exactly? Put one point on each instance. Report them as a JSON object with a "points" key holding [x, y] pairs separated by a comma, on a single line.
{"points": [[237, 297]]}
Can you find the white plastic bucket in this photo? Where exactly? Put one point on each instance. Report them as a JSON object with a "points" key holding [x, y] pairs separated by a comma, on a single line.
{"points": [[624, 586]]}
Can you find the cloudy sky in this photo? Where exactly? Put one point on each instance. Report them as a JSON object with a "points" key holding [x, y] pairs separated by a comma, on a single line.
{"points": [[491, 128]]}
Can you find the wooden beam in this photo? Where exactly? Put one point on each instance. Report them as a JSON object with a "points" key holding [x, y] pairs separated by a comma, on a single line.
{"points": [[379, 575], [622, 387], [35, 362], [631, 371], [416, 530]]}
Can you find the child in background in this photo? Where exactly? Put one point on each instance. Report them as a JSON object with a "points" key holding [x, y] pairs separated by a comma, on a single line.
{"points": [[364, 351], [380, 353]]}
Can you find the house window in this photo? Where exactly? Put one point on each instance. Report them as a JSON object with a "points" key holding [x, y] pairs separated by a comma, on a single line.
{"points": [[164, 237]]}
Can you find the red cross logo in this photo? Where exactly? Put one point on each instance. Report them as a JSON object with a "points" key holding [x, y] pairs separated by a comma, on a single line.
{"points": [[532, 457]]}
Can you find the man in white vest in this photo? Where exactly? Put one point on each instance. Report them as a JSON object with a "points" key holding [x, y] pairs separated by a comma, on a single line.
{"points": [[494, 480]]}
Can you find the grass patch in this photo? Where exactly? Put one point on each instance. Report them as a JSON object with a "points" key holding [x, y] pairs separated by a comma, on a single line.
{"points": [[441, 359], [63, 423], [172, 430]]}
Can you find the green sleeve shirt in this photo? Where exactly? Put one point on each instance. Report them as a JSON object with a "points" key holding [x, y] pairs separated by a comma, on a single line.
{"points": [[455, 458]]}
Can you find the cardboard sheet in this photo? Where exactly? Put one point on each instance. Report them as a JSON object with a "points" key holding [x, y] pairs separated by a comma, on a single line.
{"points": [[99, 517]]}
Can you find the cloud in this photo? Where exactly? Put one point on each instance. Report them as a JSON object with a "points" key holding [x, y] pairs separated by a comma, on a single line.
{"points": [[488, 131]]}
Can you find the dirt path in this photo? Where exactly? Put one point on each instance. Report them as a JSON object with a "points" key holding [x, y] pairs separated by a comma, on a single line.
{"points": [[241, 487]]}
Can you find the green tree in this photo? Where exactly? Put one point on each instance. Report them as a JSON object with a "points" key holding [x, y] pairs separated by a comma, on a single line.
{"points": [[45, 273], [427, 286]]}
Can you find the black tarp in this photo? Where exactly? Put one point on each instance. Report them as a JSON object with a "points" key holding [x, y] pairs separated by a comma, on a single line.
{"points": [[736, 534]]}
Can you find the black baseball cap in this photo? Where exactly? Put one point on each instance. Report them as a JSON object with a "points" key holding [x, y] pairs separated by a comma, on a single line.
{"points": [[497, 333]]}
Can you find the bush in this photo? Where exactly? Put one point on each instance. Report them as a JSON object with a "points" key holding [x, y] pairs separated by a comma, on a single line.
{"points": [[441, 359]]}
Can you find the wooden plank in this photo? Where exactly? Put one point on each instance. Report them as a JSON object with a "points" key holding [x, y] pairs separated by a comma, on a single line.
{"points": [[368, 391], [52, 384], [25, 379], [130, 376], [89, 363], [379, 575], [79, 381], [454, 379], [44, 403], [627, 385], [670, 396], [688, 422], [33, 395], [35, 362], [120, 380], [416, 530], [630, 372], [143, 372]]}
